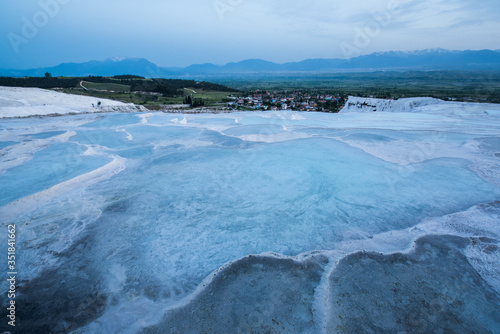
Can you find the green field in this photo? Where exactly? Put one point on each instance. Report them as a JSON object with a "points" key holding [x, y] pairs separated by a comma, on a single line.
{"points": [[106, 86], [131, 89], [130, 97], [211, 97], [471, 86], [460, 85]]}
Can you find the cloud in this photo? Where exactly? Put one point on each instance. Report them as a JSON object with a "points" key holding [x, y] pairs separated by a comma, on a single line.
{"points": [[194, 31]]}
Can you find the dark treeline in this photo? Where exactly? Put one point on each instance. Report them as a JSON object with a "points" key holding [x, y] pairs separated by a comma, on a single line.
{"points": [[166, 87], [39, 82], [193, 102], [128, 76]]}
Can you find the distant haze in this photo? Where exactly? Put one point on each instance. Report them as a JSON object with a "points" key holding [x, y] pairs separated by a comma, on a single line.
{"points": [[43, 33]]}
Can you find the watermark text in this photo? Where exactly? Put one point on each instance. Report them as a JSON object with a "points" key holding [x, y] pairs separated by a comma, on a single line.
{"points": [[11, 275]]}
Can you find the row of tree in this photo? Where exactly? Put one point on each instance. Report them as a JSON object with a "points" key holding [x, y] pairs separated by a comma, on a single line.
{"points": [[166, 87], [44, 82], [193, 102]]}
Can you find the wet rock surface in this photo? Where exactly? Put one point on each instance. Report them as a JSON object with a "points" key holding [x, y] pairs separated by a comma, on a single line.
{"points": [[433, 289]]}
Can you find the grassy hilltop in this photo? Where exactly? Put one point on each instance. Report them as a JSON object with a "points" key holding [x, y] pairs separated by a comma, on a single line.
{"points": [[131, 89]]}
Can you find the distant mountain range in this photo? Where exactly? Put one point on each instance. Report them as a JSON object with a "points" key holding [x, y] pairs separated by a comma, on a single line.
{"points": [[108, 67], [433, 59]]}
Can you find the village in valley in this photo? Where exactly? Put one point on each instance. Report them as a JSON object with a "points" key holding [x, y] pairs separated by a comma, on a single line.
{"points": [[296, 100]]}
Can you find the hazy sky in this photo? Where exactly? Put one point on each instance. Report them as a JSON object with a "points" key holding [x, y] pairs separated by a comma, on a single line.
{"points": [[36, 33]]}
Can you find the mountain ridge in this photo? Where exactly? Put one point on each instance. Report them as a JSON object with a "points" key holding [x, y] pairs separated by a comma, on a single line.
{"points": [[429, 59]]}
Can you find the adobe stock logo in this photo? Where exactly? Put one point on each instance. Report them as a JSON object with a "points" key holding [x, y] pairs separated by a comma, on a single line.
{"points": [[30, 28], [223, 6], [372, 29]]}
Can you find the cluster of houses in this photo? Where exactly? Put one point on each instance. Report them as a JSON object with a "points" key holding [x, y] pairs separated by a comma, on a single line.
{"points": [[297, 100]]}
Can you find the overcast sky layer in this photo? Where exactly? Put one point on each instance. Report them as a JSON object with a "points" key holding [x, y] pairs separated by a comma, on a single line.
{"points": [[37, 33]]}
